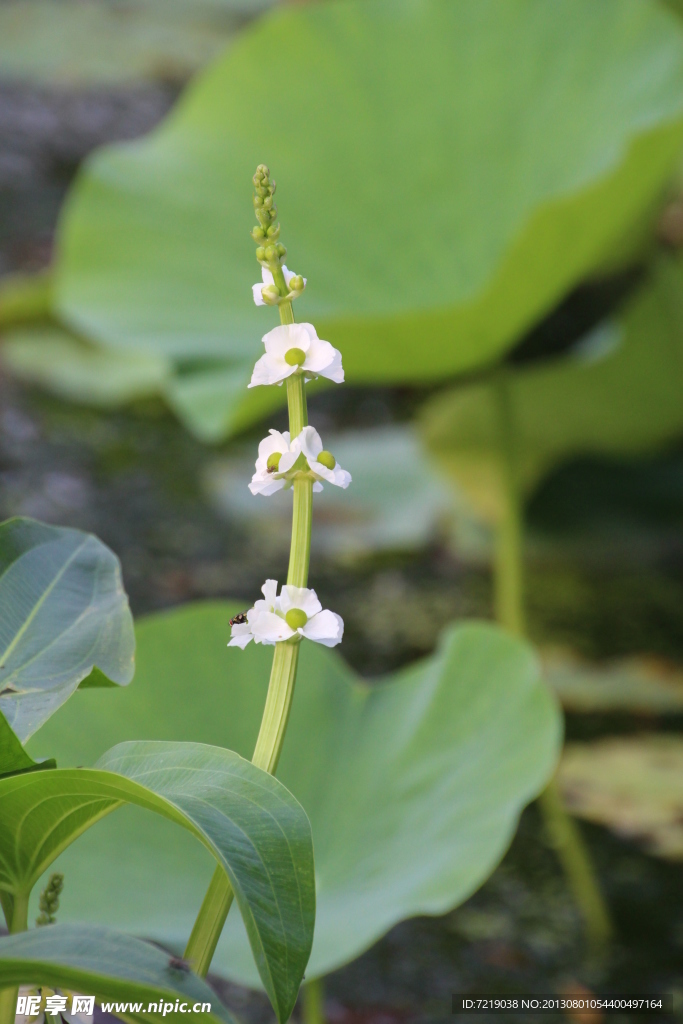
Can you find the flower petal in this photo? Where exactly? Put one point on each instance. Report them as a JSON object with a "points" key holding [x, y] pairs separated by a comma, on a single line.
{"points": [[287, 461], [270, 628], [325, 628], [256, 292], [309, 442], [240, 635], [299, 597], [275, 442], [270, 371], [269, 591], [241, 641], [286, 336], [266, 485]]}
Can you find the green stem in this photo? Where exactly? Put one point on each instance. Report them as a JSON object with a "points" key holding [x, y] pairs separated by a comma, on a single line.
{"points": [[7, 903], [572, 854], [509, 605], [19, 923], [313, 1000], [214, 910]]}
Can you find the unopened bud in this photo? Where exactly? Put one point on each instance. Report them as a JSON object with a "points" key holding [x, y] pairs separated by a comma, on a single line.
{"points": [[263, 171], [273, 462], [268, 202], [326, 459], [270, 295], [296, 283], [258, 202], [295, 356], [271, 253], [273, 231], [296, 618], [281, 251], [260, 253]]}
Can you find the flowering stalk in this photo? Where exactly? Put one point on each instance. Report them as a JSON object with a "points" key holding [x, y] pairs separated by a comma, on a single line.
{"points": [[293, 353]]}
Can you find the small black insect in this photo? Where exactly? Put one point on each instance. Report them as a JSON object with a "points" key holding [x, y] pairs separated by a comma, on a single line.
{"points": [[239, 619], [178, 964]]}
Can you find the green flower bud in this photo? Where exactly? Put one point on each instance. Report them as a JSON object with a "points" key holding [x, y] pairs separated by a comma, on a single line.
{"points": [[327, 459], [271, 253], [273, 462], [270, 295], [263, 171], [281, 251], [295, 618], [260, 253], [295, 357], [273, 231], [268, 202], [258, 202], [296, 283], [257, 233]]}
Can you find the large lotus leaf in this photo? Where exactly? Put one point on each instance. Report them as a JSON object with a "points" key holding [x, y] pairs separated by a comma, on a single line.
{"points": [[55, 360], [618, 394], [106, 964], [413, 786], [64, 619], [247, 819], [447, 171]]}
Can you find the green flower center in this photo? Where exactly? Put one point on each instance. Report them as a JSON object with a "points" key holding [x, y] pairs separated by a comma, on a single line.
{"points": [[327, 459], [273, 462], [295, 356], [295, 618]]}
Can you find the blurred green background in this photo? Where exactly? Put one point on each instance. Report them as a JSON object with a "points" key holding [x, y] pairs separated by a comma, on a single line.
{"points": [[485, 196]]}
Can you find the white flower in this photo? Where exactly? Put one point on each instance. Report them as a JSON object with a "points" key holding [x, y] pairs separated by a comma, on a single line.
{"points": [[296, 611], [266, 479], [273, 473], [292, 348], [310, 444], [268, 279]]}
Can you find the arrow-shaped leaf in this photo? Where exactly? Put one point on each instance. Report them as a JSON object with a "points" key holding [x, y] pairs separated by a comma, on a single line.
{"points": [[13, 757], [107, 964], [63, 614], [253, 826]]}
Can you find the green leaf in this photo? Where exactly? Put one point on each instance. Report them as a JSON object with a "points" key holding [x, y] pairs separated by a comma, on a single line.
{"points": [[63, 612], [92, 42], [13, 757], [111, 966], [79, 372], [413, 786], [618, 394], [213, 401], [254, 828], [488, 157]]}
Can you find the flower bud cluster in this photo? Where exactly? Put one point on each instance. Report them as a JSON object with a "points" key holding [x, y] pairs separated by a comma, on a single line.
{"points": [[270, 252]]}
